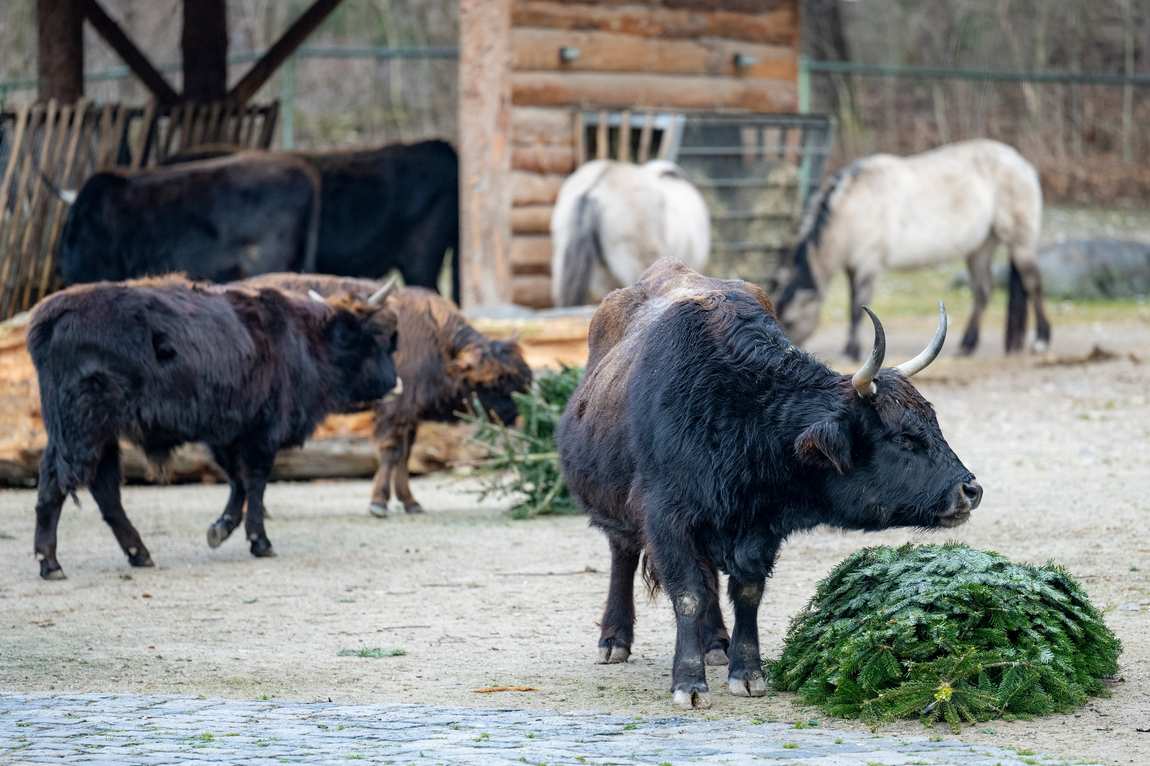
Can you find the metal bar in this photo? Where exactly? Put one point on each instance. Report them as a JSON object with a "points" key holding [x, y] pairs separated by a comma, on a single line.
{"points": [[732, 151], [992, 75]]}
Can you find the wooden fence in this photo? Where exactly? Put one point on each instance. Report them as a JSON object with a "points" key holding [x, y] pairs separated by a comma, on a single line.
{"points": [[47, 145]]}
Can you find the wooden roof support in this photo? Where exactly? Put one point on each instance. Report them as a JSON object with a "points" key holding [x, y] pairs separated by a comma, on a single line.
{"points": [[60, 30], [204, 50], [292, 39], [127, 50]]}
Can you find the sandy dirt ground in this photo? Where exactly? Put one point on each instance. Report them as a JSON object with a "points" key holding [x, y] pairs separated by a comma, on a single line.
{"points": [[476, 600]]}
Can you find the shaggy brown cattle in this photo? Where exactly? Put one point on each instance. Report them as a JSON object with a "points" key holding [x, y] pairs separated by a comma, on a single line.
{"points": [[702, 437], [163, 362], [444, 363]]}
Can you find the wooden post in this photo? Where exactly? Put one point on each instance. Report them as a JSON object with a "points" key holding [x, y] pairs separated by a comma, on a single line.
{"points": [[204, 48], [60, 32], [485, 151]]}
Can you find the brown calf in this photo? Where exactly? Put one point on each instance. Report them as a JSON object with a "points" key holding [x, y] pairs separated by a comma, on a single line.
{"points": [[444, 364]]}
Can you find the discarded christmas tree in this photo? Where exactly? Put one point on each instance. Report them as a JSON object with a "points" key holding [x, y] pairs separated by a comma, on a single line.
{"points": [[525, 457], [945, 632]]}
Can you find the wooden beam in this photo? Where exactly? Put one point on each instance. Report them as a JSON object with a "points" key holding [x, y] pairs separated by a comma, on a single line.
{"points": [[60, 50], [622, 91], [485, 151], [204, 50], [128, 52], [531, 254], [292, 39]]}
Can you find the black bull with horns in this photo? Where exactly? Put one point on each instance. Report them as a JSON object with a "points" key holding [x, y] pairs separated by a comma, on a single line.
{"points": [[164, 361], [701, 437]]}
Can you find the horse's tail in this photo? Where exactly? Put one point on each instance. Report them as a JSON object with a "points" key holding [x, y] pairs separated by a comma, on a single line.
{"points": [[821, 205], [1016, 310], [584, 250]]}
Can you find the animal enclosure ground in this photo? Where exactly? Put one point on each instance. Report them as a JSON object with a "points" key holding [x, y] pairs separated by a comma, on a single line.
{"points": [[430, 608]]}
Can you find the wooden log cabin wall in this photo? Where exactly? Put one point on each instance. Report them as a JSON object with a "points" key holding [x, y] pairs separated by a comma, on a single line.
{"points": [[568, 56]]}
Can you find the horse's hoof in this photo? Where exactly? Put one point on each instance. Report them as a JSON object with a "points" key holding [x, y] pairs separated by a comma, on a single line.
{"points": [[378, 510], [413, 508]]}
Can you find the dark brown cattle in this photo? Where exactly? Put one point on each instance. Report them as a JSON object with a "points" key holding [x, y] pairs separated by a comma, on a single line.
{"points": [[444, 363], [701, 437], [163, 362]]}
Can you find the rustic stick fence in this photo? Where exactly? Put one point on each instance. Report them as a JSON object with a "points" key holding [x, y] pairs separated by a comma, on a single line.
{"points": [[45, 145]]}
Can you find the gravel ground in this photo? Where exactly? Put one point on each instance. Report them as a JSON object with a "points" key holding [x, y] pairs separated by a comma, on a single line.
{"points": [[474, 600]]}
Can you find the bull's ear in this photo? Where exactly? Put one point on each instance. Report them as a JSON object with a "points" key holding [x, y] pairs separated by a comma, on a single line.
{"points": [[823, 443]]}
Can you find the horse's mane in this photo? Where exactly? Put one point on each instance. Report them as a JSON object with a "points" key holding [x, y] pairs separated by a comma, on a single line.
{"points": [[819, 212]]}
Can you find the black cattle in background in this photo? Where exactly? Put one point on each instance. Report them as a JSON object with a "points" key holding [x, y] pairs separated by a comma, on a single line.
{"points": [[393, 207], [219, 220]]}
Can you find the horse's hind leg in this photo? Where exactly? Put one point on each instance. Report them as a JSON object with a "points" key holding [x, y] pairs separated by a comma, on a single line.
{"points": [[105, 489], [981, 283], [1025, 284], [862, 292]]}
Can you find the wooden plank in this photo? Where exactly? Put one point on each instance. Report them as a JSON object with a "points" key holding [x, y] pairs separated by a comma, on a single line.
{"points": [[17, 221], [284, 47], [602, 135], [60, 50], [532, 290], [144, 138], [543, 159], [128, 52], [31, 246], [580, 130], [485, 151], [624, 142], [776, 25], [531, 219], [69, 178], [655, 91], [531, 126], [531, 254], [534, 189], [602, 51]]}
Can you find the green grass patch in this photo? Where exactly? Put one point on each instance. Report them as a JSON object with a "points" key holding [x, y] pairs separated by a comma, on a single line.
{"points": [[372, 653], [945, 632]]}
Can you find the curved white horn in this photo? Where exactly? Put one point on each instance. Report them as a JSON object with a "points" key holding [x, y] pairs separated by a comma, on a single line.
{"points": [[315, 296], [379, 296], [932, 350], [863, 380]]}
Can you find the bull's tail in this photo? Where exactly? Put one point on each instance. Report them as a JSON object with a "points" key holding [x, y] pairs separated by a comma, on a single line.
{"points": [[584, 250], [650, 574], [1016, 311], [453, 259]]}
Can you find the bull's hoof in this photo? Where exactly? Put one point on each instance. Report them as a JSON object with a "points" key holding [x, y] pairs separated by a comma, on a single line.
{"points": [[716, 656], [217, 533], [378, 510], [262, 549], [691, 699], [747, 684], [51, 571], [139, 557], [611, 653], [413, 508]]}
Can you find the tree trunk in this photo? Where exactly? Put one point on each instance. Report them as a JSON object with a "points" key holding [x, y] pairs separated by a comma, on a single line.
{"points": [[204, 45], [60, 29]]}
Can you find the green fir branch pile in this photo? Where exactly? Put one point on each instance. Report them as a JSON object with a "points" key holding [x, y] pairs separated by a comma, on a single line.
{"points": [[525, 457], [945, 632]]}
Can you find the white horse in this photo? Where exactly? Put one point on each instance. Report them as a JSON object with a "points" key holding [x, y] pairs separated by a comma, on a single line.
{"points": [[614, 219], [885, 212]]}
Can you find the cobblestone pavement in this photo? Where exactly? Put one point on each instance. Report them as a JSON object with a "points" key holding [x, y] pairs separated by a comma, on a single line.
{"points": [[125, 730]]}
